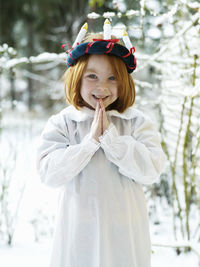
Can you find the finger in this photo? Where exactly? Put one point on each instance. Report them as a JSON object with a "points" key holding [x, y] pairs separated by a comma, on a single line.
{"points": [[101, 103], [105, 120], [99, 118], [101, 121], [96, 111], [104, 112], [103, 109]]}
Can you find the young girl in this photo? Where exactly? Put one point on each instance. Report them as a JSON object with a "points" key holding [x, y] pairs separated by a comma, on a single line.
{"points": [[100, 151]]}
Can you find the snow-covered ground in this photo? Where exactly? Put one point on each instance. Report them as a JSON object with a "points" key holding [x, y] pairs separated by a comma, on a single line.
{"points": [[35, 219], [33, 254]]}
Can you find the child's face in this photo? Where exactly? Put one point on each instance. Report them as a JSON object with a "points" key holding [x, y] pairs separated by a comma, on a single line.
{"points": [[98, 81]]}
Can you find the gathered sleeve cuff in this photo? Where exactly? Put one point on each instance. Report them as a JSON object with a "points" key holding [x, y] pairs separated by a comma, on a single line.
{"points": [[138, 156]]}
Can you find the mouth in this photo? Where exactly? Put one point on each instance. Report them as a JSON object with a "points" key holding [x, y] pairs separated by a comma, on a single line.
{"points": [[100, 97]]}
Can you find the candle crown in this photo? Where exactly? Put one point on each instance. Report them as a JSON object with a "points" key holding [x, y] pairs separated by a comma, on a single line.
{"points": [[125, 33], [107, 21], [80, 35], [107, 29], [106, 45], [85, 26]]}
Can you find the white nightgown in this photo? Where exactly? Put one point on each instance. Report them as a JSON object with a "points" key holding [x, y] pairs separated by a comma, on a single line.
{"points": [[102, 219]]}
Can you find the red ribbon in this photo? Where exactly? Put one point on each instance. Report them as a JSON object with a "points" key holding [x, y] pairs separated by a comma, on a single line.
{"points": [[132, 51], [135, 65], [69, 50], [63, 45], [106, 40], [111, 43], [88, 46]]}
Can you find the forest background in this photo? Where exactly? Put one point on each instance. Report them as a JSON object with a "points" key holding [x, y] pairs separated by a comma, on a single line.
{"points": [[166, 37]]}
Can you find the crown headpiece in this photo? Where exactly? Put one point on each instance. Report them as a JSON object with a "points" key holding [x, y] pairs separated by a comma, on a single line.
{"points": [[103, 46]]}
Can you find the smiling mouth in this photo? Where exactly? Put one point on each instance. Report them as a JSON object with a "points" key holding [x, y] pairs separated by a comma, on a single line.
{"points": [[100, 97]]}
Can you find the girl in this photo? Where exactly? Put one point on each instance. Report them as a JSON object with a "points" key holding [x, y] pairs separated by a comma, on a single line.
{"points": [[100, 151]]}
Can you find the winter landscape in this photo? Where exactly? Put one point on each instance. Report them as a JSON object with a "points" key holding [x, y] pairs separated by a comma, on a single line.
{"points": [[166, 37]]}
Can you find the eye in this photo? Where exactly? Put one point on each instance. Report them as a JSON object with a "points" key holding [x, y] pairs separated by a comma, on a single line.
{"points": [[92, 76], [112, 78]]}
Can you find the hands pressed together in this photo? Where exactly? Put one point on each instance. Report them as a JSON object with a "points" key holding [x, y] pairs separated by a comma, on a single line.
{"points": [[100, 122]]}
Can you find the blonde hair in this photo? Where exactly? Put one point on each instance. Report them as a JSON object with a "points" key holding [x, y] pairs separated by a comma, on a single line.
{"points": [[72, 79]]}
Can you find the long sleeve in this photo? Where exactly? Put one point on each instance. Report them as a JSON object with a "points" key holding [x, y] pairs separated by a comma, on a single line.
{"points": [[138, 156], [58, 161]]}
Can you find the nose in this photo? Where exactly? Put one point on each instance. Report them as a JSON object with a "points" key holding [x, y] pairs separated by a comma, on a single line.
{"points": [[102, 86]]}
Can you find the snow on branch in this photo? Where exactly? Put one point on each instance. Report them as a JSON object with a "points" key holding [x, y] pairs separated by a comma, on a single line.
{"points": [[143, 84], [163, 49], [35, 77], [41, 58], [109, 15], [7, 63], [144, 6], [45, 57]]}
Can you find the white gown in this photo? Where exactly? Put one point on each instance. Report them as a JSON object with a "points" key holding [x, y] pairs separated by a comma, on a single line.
{"points": [[102, 219]]}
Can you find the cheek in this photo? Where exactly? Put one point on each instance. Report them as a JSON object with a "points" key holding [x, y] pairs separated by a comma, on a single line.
{"points": [[116, 92], [84, 89]]}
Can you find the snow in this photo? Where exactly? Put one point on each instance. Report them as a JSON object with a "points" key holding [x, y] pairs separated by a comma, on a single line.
{"points": [[93, 15], [193, 5], [132, 12], [41, 58], [25, 254], [34, 254], [108, 15], [119, 14], [154, 33], [153, 5], [165, 257]]}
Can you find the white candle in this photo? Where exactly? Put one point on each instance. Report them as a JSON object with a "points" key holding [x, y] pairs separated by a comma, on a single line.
{"points": [[126, 40], [80, 35], [107, 29]]}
